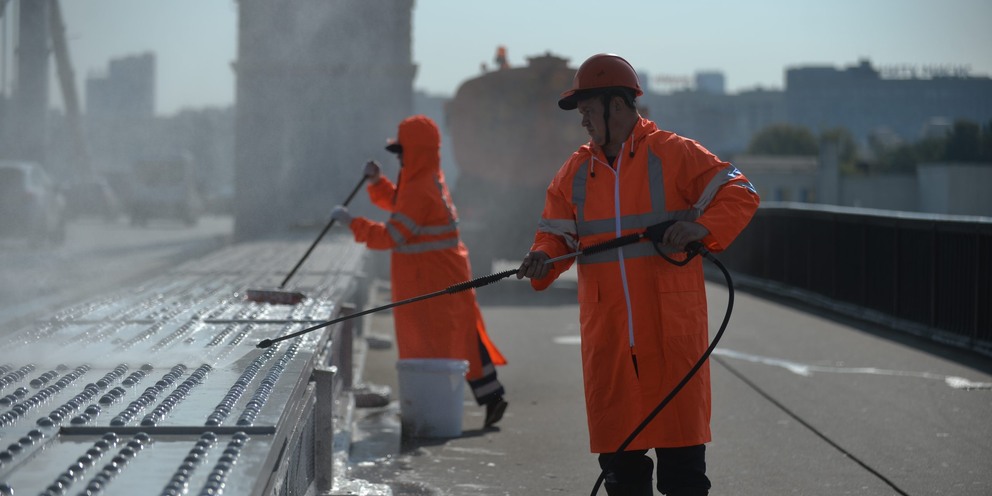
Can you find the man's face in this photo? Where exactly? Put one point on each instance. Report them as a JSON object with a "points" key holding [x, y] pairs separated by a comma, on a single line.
{"points": [[591, 110]]}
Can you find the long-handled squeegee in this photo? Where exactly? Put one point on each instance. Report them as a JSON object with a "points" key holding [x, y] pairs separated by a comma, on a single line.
{"points": [[654, 233], [279, 297]]}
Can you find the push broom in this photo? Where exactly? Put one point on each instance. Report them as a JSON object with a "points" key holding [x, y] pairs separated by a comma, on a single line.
{"points": [[280, 297]]}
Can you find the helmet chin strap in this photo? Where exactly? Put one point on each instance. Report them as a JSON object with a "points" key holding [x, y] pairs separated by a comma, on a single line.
{"points": [[606, 117], [606, 120]]}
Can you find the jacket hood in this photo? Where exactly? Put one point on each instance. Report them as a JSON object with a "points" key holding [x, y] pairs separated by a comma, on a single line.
{"points": [[642, 129], [420, 140]]}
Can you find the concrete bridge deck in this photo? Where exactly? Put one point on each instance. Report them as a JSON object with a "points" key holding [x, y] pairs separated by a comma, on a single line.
{"points": [[806, 402]]}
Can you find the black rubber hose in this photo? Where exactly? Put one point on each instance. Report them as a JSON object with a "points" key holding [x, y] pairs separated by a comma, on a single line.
{"points": [[613, 243], [692, 372], [479, 282]]}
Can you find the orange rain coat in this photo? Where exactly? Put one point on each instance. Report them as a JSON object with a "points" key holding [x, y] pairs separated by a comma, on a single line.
{"points": [[427, 255], [631, 301]]}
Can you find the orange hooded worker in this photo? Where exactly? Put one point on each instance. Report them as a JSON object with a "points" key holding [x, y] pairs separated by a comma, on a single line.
{"points": [[427, 256], [643, 320]]}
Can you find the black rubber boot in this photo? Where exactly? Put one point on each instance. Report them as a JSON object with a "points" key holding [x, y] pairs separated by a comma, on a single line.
{"points": [[494, 411], [630, 475], [642, 488], [682, 471]]}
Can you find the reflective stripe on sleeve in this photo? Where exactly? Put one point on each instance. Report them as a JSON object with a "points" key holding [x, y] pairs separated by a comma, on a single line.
{"points": [[395, 233], [728, 174], [416, 229], [427, 246], [560, 227]]}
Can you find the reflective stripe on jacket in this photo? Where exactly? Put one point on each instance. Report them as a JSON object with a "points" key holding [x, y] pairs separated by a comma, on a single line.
{"points": [[631, 301]]}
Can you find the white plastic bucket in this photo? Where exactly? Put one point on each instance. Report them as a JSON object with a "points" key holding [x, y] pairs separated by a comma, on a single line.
{"points": [[430, 393]]}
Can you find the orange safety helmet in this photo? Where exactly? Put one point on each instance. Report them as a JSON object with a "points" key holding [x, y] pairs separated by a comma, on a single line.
{"points": [[601, 71]]}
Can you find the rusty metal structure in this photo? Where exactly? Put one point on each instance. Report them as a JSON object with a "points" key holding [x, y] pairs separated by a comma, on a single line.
{"points": [[509, 138]]}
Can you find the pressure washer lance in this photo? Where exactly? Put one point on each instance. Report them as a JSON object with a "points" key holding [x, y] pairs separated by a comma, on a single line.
{"points": [[278, 297], [654, 232]]}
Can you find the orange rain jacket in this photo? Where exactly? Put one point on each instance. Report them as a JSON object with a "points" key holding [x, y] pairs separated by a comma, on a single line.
{"points": [[631, 301], [427, 255]]}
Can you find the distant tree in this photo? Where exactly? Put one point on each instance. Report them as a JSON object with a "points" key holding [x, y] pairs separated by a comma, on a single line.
{"points": [[783, 139], [903, 158], [964, 142], [847, 153], [986, 152], [882, 142]]}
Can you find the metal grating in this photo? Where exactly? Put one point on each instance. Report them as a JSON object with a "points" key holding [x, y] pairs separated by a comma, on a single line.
{"points": [[159, 389]]}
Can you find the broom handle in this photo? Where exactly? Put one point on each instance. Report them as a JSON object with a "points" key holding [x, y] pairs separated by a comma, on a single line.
{"points": [[322, 233]]}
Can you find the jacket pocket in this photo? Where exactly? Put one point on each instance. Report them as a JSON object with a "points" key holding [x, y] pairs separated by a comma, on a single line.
{"points": [[588, 292], [679, 281], [682, 303]]}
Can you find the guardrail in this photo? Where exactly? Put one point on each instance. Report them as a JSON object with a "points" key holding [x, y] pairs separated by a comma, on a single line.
{"points": [[927, 274], [309, 456], [174, 362]]}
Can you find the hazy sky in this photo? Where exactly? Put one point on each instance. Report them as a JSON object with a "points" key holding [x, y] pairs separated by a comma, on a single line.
{"points": [[751, 42]]}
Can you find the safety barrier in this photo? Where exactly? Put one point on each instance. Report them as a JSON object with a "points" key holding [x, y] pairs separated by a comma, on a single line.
{"points": [[310, 447], [927, 274]]}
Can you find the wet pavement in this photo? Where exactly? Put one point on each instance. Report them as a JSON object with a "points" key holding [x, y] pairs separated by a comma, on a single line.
{"points": [[805, 402]]}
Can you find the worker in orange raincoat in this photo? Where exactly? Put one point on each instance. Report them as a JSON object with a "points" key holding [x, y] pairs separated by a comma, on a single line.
{"points": [[643, 320], [427, 256]]}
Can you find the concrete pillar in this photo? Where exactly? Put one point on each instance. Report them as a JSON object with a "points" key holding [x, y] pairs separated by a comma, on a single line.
{"points": [[320, 87], [27, 125]]}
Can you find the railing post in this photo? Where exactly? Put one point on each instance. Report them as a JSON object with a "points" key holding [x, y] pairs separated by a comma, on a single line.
{"points": [[324, 428], [345, 361], [331, 379]]}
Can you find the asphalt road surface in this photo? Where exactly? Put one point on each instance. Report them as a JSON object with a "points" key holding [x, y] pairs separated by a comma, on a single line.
{"points": [[804, 403]]}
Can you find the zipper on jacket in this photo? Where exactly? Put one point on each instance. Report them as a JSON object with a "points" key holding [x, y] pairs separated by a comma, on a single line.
{"points": [[633, 359], [623, 269]]}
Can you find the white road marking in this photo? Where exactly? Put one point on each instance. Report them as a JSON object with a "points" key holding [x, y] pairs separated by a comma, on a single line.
{"points": [[807, 370]]}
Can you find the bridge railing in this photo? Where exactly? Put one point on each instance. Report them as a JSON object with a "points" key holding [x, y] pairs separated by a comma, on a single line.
{"points": [[928, 274]]}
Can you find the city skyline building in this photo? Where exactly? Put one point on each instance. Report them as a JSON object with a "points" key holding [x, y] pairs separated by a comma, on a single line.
{"points": [[126, 91], [900, 103]]}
